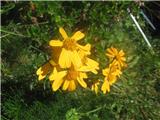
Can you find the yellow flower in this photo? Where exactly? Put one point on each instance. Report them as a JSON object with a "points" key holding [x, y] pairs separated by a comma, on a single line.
{"points": [[94, 87], [84, 50], [114, 70], [105, 86], [68, 79], [69, 45], [44, 70], [68, 63], [116, 55], [110, 74], [88, 64]]}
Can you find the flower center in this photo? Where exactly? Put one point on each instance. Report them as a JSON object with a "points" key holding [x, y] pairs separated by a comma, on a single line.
{"points": [[72, 75], [69, 44]]}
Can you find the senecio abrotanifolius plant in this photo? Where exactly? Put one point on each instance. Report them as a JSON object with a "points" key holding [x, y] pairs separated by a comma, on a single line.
{"points": [[70, 63]]}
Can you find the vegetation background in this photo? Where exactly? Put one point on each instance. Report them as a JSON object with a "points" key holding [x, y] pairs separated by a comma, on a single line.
{"points": [[27, 27]]}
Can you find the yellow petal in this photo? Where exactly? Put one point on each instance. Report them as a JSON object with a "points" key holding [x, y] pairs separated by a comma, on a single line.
{"points": [[84, 69], [112, 80], [39, 71], [57, 84], [65, 58], [120, 62], [61, 74], [55, 43], [57, 75], [109, 55], [96, 89], [78, 35], [117, 72], [81, 82], [58, 80], [92, 87], [83, 75], [72, 85], [53, 75], [92, 63], [43, 71], [85, 49], [115, 51], [109, 50], [40, 77], [76, 60], [63, 33], [87, 69], [66, 84], [114, 63], [105, 87], [94, 71], [105, 72], [121, 53], [123, 58]]}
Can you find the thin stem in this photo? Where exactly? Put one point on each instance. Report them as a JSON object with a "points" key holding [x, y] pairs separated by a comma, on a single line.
{"points": [[35, 48], [41, 23], [4, 36], [92, 111], [12, 33]]}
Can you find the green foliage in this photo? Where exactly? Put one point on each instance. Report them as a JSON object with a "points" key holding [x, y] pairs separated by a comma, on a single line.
{"points": [[25, 31], [72, 115]]}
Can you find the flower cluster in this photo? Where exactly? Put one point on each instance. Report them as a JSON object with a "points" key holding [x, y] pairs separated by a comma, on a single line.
{"points": [[111, 73], [69, 62]]}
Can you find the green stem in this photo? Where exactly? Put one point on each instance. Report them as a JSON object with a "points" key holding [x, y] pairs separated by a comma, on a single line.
{"points": [[37, 49], [4, 36], [41, 23], [12, 33], [92, 111]]}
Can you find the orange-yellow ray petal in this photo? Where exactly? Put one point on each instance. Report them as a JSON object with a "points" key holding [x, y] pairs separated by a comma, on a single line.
{"points": [[75, 58], [123, 58], [40, 77], [43, 71], [105, 71], [65, 58], [57, 84], [81, 82], [121, 53], [72, 85], [66, 84], [53, 75], [83, 75], [109, 55], [78, 35], [109, 50], [112, 79], [85, 49], [63, 33], [105, 87], [92, 87], [55, 43], [58, 80], [96, 89], [115, 51]]}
